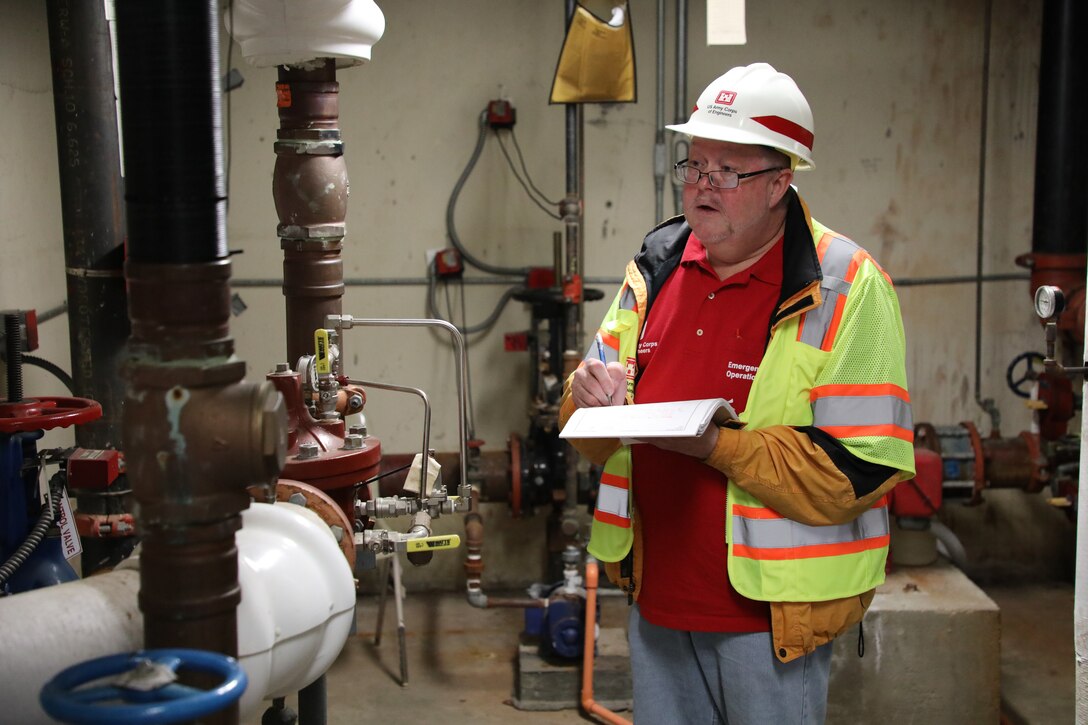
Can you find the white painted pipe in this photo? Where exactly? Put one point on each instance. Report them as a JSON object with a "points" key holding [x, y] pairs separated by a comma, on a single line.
{"points": [[45, 630], [298, 600]]}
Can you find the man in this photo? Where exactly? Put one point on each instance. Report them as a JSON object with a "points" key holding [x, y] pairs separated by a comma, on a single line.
{"points": [[749, 548]]}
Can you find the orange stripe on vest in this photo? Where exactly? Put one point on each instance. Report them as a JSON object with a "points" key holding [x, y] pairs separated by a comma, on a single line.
{"points": [[611, 479], [881, 389], [755, 512], [606, 518]]}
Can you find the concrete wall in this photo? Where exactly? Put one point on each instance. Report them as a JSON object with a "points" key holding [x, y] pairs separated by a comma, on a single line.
{"points": [[896, 89]]}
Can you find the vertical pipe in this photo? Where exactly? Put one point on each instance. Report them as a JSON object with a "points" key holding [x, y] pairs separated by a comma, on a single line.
{"points": [[681, 114], [660, 157], [310, 188], [313, 703], [196, 437], [1061, 150], [13, 346], [89, 160], [574, 215], [987, 404], [1080, 587]]}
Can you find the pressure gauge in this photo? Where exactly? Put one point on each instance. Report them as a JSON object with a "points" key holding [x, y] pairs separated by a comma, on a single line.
{"points": [[1049, 301], [307, 368]]}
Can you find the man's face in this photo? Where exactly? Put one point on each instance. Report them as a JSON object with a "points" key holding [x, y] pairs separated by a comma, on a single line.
{"points": [[733, 223]]}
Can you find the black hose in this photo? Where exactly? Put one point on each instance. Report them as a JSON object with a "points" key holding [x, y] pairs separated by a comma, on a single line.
{"points": [[450, 227], [53, 368], [34, 538], [432, 308]]}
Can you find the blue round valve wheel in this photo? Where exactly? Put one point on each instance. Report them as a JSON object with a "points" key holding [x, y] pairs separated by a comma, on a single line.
{"points": [[148, 693]]}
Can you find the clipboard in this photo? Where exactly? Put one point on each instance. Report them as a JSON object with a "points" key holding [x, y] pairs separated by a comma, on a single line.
{"points": [[674, 419]]}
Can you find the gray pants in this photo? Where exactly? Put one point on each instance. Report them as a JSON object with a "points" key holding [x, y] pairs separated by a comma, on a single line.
{"points": [[719, 678]]}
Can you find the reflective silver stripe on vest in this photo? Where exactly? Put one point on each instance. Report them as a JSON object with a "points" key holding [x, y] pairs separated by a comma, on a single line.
{"points": [[787, 534], [860, 410], [612, 499], [834, 265], [627, 299]]}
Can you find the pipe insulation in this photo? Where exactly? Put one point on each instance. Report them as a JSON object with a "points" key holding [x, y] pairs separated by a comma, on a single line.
{"points": [[175, 188], [295, 616]]}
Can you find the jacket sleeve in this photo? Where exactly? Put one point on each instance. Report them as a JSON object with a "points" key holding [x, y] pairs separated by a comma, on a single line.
{"points": [[787, 470], [859, 442], [596, 450]]}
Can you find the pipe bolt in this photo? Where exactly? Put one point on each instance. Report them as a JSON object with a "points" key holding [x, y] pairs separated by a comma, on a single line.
{"points": [[297, 499], [307, 451], [338, 532]]}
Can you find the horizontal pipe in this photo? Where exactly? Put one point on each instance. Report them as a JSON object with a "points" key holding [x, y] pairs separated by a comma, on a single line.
{"points": [[503, 281]]}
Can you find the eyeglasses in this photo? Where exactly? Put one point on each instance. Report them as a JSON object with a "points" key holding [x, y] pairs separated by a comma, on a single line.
{"points": [[719, 178]]}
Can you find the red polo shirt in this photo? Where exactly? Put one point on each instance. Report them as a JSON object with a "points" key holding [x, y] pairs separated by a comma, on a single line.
{"points": [[704, 338]]}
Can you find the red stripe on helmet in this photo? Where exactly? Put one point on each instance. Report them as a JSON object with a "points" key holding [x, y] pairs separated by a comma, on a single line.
{"points": [[788, 128]]}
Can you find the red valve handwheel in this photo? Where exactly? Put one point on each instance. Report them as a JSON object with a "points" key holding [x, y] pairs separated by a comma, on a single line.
{"points": [[47, 413]]}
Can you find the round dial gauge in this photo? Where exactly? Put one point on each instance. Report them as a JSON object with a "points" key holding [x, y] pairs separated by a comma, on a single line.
{"points": [[1049, 301]]}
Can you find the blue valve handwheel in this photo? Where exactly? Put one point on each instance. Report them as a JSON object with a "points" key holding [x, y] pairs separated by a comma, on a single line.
{"points": [[112, 704]]}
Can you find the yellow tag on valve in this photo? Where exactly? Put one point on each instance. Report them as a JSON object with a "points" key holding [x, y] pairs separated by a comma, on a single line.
{"points": [[321, 352], [433, 543]]}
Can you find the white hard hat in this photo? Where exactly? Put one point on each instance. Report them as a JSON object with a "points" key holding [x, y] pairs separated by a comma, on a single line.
{"points": [[755, 104]]}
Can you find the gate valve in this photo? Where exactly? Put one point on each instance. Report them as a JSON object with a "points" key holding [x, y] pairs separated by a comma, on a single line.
{"points": [[46, 413], [147, 688]]}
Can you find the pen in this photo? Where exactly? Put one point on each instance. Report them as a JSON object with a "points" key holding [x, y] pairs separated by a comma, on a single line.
{"points": [[600, 354]]}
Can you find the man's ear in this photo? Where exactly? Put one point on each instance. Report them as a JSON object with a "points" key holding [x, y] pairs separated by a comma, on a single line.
{"points": [[776, 190]]}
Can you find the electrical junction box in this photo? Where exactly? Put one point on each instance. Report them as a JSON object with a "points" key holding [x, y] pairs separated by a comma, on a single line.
{"points": [[93, 469], [501, 114], [448, 263]]}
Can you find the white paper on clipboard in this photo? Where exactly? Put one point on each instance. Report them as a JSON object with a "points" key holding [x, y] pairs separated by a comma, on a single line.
{"points": [[677, 419]]}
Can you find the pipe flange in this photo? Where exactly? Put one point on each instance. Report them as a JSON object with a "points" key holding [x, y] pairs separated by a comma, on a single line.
{"points": [[306, 147], [326, 509], [313, 238]]}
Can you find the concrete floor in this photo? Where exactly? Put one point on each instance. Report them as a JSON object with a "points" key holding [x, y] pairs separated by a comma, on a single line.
{"points": [[461, 662]]}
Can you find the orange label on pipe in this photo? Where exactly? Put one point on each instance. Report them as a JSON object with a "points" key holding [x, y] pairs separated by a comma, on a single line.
{"points": [[283, 95]]}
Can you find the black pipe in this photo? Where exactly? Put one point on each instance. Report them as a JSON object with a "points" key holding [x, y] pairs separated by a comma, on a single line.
{"points": [[1061, 148], [175, 188], [313, 703], [89, 161]]}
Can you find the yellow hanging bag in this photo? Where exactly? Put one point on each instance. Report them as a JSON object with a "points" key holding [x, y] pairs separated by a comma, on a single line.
{"points": [[597, 62]]}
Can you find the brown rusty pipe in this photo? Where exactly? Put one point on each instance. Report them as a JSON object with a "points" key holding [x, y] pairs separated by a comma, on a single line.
{"points": [[195, 435], [474, 569], [310, 189]]}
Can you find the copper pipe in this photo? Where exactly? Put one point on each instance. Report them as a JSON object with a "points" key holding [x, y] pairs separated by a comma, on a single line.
{"points": [[474, 569], [310, 189], [588, 703]]}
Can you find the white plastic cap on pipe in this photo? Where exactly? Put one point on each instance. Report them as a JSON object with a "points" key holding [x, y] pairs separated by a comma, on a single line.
{"points": [[293, 32]]}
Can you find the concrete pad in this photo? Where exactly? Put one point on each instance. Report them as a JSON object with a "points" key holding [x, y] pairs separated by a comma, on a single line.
{"points": [[932, 654]]}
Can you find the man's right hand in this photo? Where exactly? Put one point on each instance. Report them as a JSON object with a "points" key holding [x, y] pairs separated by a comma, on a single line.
{"points": [[595, 384]]}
